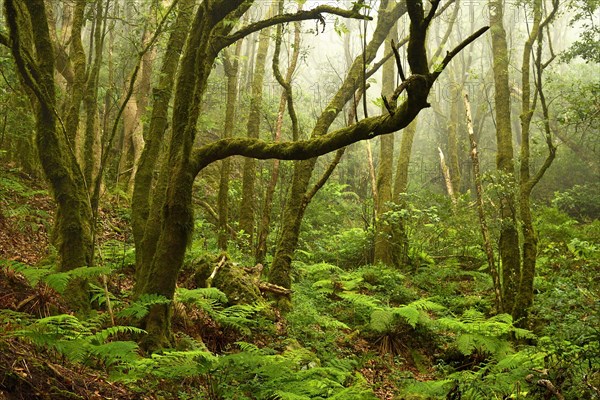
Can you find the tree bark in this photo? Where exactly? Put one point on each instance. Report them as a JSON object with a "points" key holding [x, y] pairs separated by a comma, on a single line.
{"points": [[73, 221], [399, 234], [248, 203], [231, 72], [509, 237], [146, 225], [383, 251], [526, 181], [295, 207], [286, 99], [485, 232]]}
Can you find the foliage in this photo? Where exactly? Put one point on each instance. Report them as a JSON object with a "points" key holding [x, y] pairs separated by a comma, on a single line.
{"points": [[580, 202], [80, 340], [56, 280]]}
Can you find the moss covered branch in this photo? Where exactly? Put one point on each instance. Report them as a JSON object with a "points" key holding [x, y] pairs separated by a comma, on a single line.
{"points": [[315, 13]]}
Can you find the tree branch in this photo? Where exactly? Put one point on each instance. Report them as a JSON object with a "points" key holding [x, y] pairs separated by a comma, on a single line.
{"points": [[451, 54], [315, 13]]}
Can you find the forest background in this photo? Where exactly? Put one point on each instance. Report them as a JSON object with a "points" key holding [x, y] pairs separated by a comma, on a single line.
{"points": [[300, 199]]}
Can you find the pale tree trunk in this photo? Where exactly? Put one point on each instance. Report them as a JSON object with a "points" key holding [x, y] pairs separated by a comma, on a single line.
{"points": [[399, 234], [285, 99], [383, 251], [248, 203], [453, 142], [485, 232], [280, 272], [133, 127], [448, 181], [231, 65]]}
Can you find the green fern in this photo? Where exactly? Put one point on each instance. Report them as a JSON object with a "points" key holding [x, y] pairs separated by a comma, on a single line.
{"points": [[140, 308], [361, 300], [204, 298], [56, 280], [170, 365]]}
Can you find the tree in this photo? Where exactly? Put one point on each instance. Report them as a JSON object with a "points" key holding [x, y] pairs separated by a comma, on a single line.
{"points": [[518, 263], [165, 230], [248, 204], [510, 256]]}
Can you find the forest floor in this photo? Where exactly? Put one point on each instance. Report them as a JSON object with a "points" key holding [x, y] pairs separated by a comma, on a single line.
{"points": [[357, 332]]}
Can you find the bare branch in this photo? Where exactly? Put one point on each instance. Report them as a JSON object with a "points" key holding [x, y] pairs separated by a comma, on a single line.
{"points": [[451, 54]]}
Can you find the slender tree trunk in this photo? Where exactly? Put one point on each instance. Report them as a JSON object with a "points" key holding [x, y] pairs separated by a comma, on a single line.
{"points": [[286, 99], [383, 246], [509, 237], [526, 180], [231, 72], [295, 205], [449, 182], [453, 142], [399, 233], [248, 204], [133, 126], [485, 232]]}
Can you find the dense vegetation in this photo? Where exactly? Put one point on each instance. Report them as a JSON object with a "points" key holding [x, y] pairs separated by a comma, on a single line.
{"points": [[172, 224]]}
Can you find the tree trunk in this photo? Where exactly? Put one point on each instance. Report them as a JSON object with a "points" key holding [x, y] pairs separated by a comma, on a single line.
{"points": [[231, 72], [73, 220], [509, 237], [485, 233], [526, 181], [248, 204], [383, 245], [286, 99], [295, 207], [399, 234], [145, 239]]}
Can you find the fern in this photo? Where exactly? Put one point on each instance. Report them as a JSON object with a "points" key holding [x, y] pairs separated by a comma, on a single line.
{"points": [[140, 308], [205, 298], [170, 365], [56, 280], [240, 317], [361, 300], [320, 269]]}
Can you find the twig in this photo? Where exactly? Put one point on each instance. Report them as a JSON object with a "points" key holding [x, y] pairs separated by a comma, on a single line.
{"points": [[212, 276]]}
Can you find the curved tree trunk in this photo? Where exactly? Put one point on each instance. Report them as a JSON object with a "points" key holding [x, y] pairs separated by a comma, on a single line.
{"points": [[73, 221], [144, 183]]}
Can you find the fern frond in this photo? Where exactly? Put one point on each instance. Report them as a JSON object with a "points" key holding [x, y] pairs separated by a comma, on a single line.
{"points": [[201, 294], [103, 335], [361, 300], [171, 365], [249, 347], [115, 352], [410, 314], [139, 308], [319, 269], [382, 320]]}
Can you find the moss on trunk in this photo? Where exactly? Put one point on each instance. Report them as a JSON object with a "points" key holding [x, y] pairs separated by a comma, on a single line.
{"points": [[510, 256]]}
